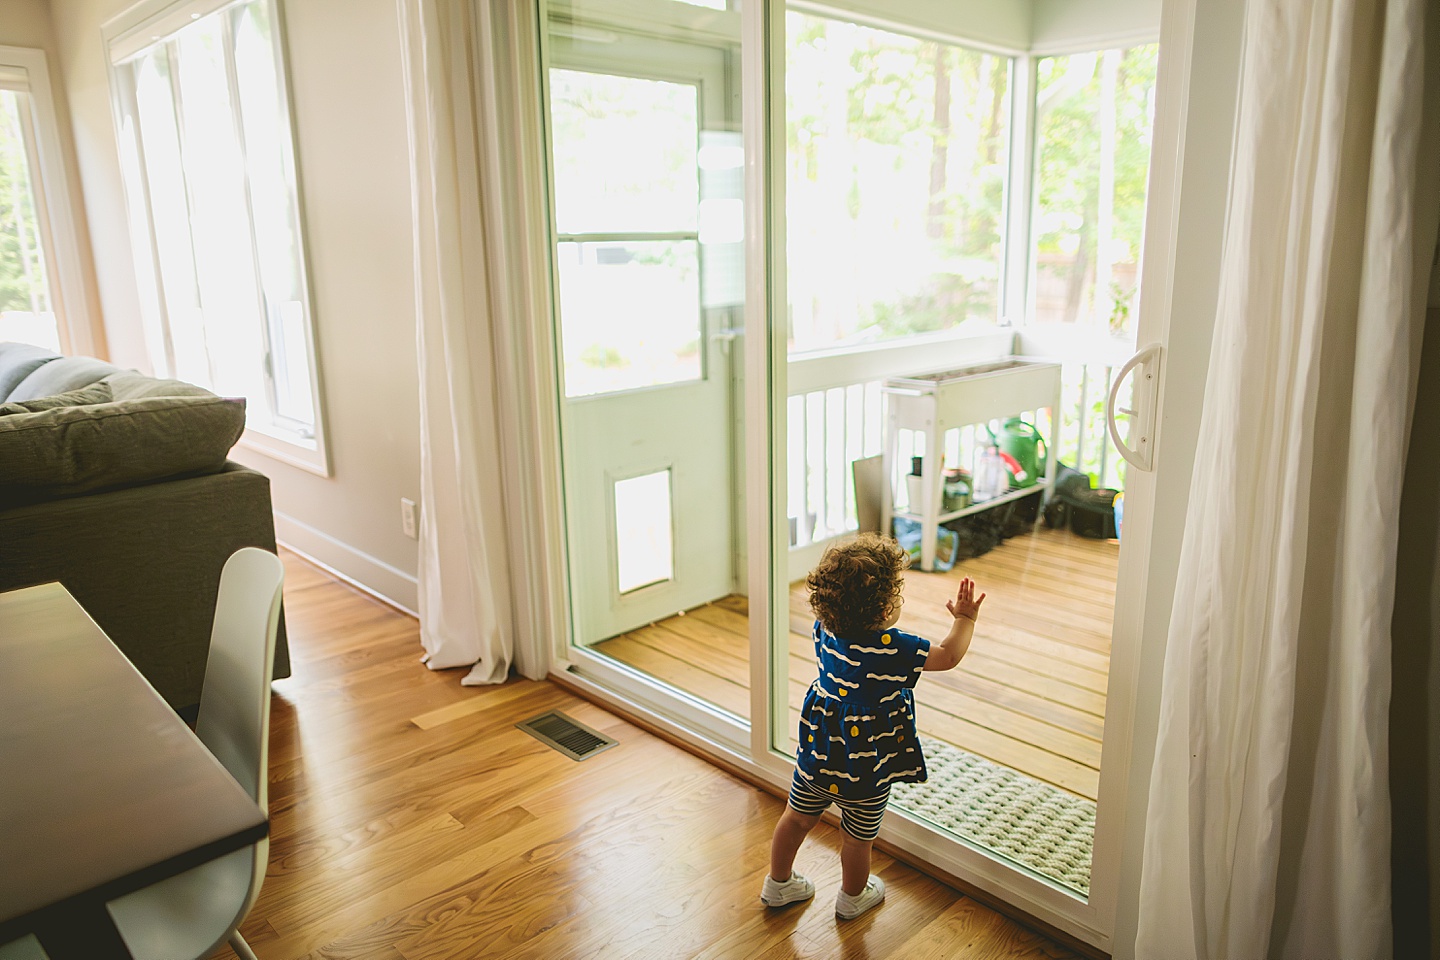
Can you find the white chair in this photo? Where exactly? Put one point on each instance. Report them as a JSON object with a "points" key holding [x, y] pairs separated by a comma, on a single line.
{"points": [[194, 912]]}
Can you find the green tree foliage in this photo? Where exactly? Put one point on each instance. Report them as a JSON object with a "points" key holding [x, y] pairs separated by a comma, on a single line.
{"points": [[916, 154], [22, 269], [1068, 126]]}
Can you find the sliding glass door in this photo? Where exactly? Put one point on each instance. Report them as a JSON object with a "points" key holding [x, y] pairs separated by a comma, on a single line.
{"points": [[817, 272], [924, 403], [646, 158]]}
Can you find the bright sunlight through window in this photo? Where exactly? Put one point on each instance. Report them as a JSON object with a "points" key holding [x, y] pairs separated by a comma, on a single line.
{"points": [[1093, 117], [27, 311], [209, 167], [897, 151]]}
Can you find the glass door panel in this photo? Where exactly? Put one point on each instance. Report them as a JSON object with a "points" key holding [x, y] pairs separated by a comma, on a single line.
{"points": [[647, 158], [897, 170], [631, 314]]}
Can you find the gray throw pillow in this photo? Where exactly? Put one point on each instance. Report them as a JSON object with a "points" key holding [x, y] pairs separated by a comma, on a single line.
{"points": [[95, 393], [66, 451]]}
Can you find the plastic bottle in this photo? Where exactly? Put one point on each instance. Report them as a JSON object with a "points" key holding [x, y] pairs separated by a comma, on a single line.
{"points": [[990, 476]]}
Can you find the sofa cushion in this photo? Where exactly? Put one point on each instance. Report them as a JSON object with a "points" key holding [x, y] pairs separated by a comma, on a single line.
{"points": [[58, 376], [18, 361], [66, 451], [95, 393], [129, 385]]}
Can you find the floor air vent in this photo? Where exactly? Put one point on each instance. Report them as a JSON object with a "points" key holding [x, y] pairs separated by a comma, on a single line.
{"points": [[571, 738]]}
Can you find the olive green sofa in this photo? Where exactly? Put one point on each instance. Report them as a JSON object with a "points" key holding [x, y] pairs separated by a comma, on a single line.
{"points": [[118, 486]]}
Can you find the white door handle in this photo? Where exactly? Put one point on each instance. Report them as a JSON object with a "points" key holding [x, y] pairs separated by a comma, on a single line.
{"points": [[1142, 398]]}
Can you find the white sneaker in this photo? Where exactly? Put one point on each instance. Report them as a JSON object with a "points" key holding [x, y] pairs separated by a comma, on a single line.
{"points": [[848, 907], [778, 894]]}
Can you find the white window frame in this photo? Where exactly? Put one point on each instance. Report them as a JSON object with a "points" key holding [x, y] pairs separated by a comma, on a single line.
{"points": [[25, 70], [150, 23]]}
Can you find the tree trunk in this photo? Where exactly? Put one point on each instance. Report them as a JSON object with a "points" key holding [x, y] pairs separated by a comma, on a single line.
{"points": [[992, 126], [1075, 288], [939, 146]]}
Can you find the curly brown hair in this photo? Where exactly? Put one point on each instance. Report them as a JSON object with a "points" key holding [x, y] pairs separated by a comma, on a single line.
{"points": [[856, 585]]}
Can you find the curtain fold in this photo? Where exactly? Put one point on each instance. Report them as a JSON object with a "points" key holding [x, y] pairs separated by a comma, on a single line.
{"points": [[1268, 831], [464, 583]]}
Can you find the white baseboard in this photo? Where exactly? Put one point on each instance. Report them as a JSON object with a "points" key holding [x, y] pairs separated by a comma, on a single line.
{"points": [[359, 569]]}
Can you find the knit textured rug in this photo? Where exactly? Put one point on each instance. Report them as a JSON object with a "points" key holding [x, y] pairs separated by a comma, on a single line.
{"points": [[1034, 824]]}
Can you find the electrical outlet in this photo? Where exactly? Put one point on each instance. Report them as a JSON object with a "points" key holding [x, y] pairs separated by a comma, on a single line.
{"points": [[407, 518]]}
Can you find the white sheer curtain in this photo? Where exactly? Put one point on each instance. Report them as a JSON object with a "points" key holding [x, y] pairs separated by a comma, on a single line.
{"points": [[1268, 830], [466, 617]]}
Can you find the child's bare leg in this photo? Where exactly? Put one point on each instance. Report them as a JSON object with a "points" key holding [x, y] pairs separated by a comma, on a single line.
{"points": [[790, 832], [854, 863]]}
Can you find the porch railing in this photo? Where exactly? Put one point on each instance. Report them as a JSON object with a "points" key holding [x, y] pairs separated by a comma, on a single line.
{"points": [[836, 415]]}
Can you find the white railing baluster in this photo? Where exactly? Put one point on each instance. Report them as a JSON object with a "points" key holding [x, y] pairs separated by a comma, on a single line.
{"points": [[832, 425]]}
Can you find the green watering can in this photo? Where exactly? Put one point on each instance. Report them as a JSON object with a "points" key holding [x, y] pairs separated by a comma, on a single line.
{"points": [[1023, 445]]}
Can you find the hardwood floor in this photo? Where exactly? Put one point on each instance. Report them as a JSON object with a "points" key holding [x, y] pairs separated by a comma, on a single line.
{"points": [[1030, 694], [412, 821]]}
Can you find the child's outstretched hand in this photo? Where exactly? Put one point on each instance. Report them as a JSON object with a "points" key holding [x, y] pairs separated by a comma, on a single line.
{"points": [[965, 604]]}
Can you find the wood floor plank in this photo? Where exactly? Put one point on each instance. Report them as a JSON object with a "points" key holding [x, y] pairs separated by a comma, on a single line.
{"points": [[412, 821]]}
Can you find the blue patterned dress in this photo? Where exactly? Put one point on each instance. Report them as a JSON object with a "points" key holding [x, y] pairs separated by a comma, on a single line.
{"points": [[857, 725]]}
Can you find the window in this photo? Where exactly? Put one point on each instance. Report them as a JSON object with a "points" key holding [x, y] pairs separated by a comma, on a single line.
{"points": [[628, 214], [1093, 116], [42, 296], [897, 152], [209, 163]]}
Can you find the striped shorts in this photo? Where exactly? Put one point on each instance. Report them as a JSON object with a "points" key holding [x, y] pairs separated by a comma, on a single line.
{"points": [[859, 818]]}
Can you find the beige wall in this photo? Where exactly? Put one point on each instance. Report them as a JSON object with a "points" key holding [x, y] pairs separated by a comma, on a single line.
{"points": [[347, 90], [26, 23]]}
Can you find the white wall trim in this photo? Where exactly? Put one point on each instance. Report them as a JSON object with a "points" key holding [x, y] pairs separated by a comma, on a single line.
{"points": [[354, 566]]}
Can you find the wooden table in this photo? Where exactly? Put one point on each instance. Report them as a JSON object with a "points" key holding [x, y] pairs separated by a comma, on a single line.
{"points": [[103, 789]]}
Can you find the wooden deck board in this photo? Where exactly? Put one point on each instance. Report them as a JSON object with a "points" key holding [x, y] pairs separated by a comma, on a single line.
{"points": [[1030, 694]]}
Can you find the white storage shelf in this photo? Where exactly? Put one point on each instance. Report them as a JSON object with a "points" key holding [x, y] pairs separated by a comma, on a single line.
{"points": [[931, 404], [980, 507]]}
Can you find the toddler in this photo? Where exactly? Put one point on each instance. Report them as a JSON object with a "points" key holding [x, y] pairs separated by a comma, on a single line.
{"points": [[857, 725]]}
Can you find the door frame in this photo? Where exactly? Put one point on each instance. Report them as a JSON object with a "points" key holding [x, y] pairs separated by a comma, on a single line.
{"points": [[539, 508]]}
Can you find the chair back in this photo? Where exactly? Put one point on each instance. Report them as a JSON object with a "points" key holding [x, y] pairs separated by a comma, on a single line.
{"points": [[234, 716]]}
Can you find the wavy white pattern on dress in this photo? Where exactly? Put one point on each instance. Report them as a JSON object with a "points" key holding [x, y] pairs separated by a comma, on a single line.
{"points": [[885, 650], [885, 676], [898, 773]]}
